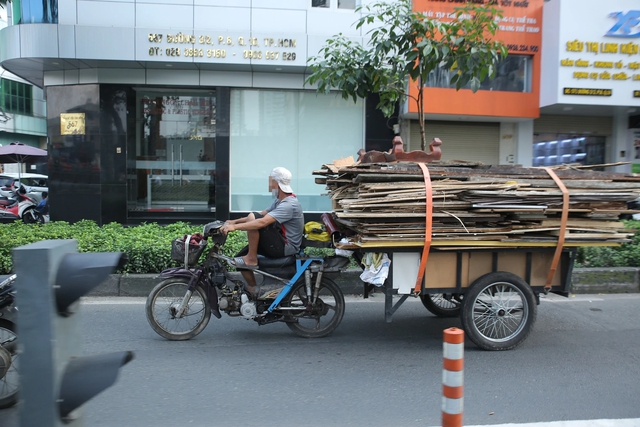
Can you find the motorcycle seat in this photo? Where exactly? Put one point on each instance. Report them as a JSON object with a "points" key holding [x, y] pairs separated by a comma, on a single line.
{"points": [[4, 202], [267, 263]]}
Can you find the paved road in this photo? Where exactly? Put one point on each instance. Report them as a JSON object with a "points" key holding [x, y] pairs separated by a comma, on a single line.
{"points": [[581, 363]]}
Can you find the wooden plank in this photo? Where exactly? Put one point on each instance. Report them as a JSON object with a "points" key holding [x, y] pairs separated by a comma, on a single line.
{"points": [[471, 202]]}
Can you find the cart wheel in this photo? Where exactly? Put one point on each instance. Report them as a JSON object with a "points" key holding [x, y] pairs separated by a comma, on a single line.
{"points": [[499, 310], [442, 305]]}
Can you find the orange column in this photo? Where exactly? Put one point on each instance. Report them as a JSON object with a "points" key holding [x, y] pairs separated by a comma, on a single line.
{"points": [[452, 377]]}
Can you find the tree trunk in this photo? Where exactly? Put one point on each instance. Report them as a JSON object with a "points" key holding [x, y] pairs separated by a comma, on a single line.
{"points": [[420, 102]]}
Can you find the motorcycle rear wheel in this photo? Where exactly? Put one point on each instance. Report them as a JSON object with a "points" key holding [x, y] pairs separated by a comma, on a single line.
{"points": [[317, 320], [9, 383], [161, 307]]}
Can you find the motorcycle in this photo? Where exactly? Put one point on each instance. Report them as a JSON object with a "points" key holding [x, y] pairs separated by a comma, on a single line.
{"points": [[304, 295], [8, 345], [15, 204]]}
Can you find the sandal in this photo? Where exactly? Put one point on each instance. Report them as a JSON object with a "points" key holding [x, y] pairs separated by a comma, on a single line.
{"points": [[241, 265]]}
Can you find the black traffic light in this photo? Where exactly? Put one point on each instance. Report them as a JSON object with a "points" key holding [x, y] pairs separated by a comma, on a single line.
{"points": [[55, 380]]}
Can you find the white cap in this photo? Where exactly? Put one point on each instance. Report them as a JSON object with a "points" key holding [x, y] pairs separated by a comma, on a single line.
{"points": [[283, 177]]}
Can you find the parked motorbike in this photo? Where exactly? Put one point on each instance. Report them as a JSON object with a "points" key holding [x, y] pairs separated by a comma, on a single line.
{"points": [[15, 204], [308, 301], [8, 345]]}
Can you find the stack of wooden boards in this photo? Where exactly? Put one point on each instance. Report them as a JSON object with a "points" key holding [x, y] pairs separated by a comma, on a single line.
{"points": [[385, 202]]}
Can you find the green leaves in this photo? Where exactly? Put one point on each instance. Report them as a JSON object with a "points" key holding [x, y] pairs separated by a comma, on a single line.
{"points": [[625, 255], [147, 246], [475, 84], [404, 49]]}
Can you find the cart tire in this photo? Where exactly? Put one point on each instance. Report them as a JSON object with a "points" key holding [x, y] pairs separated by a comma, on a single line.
{"points": [[498, 311], [442, 305]]}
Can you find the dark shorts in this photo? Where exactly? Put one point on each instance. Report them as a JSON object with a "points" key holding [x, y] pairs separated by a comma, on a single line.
{"points": [[271, 242]]}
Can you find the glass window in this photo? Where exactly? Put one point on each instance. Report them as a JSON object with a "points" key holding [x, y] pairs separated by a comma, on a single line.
{"points": [[347, 4], [320, 3], [568, 149], [175, 153], [37, 11], [300, 131], [16, 97], [513, 75]]}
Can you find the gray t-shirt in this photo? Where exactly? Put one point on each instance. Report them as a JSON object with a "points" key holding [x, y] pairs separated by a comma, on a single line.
{"points": [[288, 213]]}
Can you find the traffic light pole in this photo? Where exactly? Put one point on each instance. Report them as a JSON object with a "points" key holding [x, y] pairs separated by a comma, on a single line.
{"points": [[55, 379], [36, 266]]}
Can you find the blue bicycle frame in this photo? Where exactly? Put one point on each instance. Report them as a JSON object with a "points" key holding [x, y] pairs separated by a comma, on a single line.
{"points": [[301, 266]]}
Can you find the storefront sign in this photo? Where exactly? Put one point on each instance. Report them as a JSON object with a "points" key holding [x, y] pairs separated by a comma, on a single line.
{"points": [[586, 91], [620, 69], [599, 46], [628, 22], [520, 29], [224, 48], [72, 124]]}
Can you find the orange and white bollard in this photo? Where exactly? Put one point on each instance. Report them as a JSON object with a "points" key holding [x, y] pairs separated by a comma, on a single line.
{"points": [[452, 377]]}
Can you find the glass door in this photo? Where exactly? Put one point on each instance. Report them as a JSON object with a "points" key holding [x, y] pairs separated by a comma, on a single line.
{"points": [[175, 160]]}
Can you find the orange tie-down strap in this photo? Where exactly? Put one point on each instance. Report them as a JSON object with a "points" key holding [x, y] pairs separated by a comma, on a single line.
{"points": [[563, 226], [427, 226]]}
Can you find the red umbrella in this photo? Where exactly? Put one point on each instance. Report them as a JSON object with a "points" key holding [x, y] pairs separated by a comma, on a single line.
{"points": [[17, 152]]}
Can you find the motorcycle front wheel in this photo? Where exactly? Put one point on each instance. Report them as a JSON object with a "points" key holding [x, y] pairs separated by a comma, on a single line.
{"points": [[32, 216], [317, 319], [9, 383], [162, 306]]}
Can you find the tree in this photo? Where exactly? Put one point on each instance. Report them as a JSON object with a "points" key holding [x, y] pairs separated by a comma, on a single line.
{"points": [[403, 47]]}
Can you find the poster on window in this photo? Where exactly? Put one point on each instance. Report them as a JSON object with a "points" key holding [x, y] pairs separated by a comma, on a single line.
{"points": [[72, 124]]}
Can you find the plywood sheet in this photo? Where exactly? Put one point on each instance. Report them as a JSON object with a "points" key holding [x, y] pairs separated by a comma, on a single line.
{"points": [[441, 270]]}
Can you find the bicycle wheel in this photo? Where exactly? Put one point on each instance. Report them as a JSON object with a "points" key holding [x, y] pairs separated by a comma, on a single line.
{"points": [[499, 311], [162, 305], [318, 319], [9, 383], [443, 305]]}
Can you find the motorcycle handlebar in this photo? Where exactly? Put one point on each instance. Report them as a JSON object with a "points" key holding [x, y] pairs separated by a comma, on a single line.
{"points": [[9, 280]]}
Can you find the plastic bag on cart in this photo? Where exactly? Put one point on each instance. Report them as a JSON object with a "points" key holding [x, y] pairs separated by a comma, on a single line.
{"points": [[376, 268], [344, 252]]}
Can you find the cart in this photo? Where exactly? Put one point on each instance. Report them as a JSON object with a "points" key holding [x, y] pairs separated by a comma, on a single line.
{"points": [[493, 286], [493, 283]]}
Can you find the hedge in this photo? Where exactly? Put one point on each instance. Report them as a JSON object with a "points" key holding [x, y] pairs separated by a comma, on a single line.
{"points": [[625, 255], [148, 246]]}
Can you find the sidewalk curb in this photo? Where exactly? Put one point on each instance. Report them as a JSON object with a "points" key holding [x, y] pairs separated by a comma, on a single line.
{"points": [[585, 281]]}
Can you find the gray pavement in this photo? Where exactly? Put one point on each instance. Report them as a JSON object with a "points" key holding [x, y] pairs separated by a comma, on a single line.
{"points": [[579, 364]]}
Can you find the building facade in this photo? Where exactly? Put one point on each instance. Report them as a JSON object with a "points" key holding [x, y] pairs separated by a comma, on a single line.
{"points": [[22, 113], [590, 94], [567, 92], [179, 110], [495, 124], [161, 111]]}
